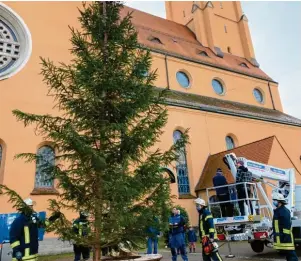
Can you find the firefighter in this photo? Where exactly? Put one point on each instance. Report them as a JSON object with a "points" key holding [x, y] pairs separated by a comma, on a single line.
{"points": [[81, 228], [207, 232], [176, 227], [24, 233], [282, 228]]}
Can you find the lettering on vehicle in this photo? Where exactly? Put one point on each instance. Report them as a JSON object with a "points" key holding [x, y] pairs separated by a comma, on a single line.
{"points": [[278, 171]]}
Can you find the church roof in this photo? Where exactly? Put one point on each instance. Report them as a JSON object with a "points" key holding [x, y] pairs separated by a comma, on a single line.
{"points": [[256, 151], [214, 105], [179, 41]]}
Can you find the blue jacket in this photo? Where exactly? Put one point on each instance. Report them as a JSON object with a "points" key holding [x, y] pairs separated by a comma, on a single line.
{"points": [[220, 180], [206, 225], [282, 229], [176, 224], [192, 236], [24, 237]]}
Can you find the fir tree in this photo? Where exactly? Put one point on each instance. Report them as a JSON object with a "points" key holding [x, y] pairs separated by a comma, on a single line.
{"points": [[107, 138]]}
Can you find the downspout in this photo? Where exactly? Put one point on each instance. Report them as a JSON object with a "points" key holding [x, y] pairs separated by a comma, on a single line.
{"points": [[271, 96], [167, 75]]}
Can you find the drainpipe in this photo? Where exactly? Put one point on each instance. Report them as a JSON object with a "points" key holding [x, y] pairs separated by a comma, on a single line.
{"points": [[271, 96], [167, 75]]}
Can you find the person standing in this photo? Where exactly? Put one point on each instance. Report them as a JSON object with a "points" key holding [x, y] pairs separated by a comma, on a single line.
{"points": [[24, 232], [207, 232], [243, 175], [176, 226], [81, 228], [282, 228], [223, 193], [152, 241], [192, 239]]}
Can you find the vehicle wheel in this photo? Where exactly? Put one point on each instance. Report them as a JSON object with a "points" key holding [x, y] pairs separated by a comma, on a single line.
{"points": [[257, 246]]}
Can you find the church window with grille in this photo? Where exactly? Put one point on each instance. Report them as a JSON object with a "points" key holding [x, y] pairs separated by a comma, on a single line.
{"points": [[15, 42], [181, 167], [45, 162]]}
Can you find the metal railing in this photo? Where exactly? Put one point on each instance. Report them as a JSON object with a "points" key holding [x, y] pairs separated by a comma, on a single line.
{"points": [[246, 189]]}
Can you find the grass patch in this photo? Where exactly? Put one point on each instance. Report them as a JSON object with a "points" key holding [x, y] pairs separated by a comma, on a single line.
{"points": [[57, 257]]}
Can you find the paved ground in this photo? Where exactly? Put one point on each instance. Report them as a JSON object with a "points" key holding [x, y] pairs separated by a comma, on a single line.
{"points": [[241, 250]]}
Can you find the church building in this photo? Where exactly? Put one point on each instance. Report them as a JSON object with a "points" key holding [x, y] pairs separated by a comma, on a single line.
{"points": [[203, 54]]}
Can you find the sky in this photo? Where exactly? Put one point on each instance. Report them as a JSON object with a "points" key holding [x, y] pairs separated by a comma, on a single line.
{"points": [[276, 34]]}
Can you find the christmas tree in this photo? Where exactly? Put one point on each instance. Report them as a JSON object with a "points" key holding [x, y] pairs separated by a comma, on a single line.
{"points": [[108, 132]]}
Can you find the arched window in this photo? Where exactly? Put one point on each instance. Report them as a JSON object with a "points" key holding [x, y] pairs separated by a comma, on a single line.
{"points": [[181, 167], [45, 161], [230, 143]]}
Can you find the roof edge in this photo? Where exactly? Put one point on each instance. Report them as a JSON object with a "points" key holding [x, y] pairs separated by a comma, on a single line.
{"points": [[189, 105], [185, 58]]}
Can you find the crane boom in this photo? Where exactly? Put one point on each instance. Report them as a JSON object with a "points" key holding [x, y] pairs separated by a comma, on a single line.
{"points": [[285, 177]]}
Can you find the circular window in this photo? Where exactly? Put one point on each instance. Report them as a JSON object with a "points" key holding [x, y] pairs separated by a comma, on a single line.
{"points": [[258, 95], [15, 42], [218, 87], [183, 79], [230, 143]]}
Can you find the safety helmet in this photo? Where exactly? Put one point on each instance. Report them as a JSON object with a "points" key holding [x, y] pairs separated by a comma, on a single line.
{"points": [[278, 197], [200, 201], [29, 202]]}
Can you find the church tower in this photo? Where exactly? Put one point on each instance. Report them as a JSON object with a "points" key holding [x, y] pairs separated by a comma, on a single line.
{"points": [[221, 26]]}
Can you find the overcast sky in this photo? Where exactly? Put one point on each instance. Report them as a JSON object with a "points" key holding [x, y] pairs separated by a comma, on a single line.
{"points": [[276, 33]]}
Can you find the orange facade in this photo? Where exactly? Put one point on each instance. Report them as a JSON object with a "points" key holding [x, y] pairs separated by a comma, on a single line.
{"points": [[176, 45]]}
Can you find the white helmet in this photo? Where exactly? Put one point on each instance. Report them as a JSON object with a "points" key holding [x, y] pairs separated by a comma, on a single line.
{"points": [[29, 202], [200, 201], [278, 197]]}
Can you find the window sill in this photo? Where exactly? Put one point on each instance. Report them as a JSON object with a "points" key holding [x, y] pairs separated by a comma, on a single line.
{"points": [[186, 196], [44, 191]]}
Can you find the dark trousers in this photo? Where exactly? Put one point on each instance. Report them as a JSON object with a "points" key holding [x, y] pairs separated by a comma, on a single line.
{"points": [[226, 208], [290, 255], [81, 251], [182, 251], [241, 194], [215, 256]]}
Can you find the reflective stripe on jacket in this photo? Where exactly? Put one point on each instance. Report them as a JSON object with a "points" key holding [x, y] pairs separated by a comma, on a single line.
{"points": [[81, 227], [206, 225], [24, 237], [283, 236]]}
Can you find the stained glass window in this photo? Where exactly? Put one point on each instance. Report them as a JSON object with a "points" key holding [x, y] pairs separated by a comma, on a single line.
{"points": [[181, 167], [45, 161]]}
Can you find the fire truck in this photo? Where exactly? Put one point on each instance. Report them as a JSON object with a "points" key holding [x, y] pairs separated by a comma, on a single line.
{"points": [[256, 227]]}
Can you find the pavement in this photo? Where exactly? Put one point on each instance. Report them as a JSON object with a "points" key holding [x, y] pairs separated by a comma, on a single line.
{"points": [[241, 250]]}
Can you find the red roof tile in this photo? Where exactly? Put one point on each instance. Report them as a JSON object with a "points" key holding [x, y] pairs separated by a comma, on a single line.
{"points": [[180, 42], [257, 151]]}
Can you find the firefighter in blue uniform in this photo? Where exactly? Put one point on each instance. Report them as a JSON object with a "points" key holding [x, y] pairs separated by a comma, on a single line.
{"points": [[207, 232], [176, 232], [282, 228], [24, 233], [81, 228]]}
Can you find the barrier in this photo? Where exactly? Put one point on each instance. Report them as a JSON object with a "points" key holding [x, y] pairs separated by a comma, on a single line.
{"points": [[6, 221]]}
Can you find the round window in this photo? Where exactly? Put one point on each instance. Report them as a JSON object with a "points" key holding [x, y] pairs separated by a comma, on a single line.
{"points": [[183, 79], [218, 87], [258, 95], [15, 42]]}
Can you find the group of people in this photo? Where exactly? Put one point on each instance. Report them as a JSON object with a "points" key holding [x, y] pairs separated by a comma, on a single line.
{"points": [[223, 194], [207, 234], [24, 235]]}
